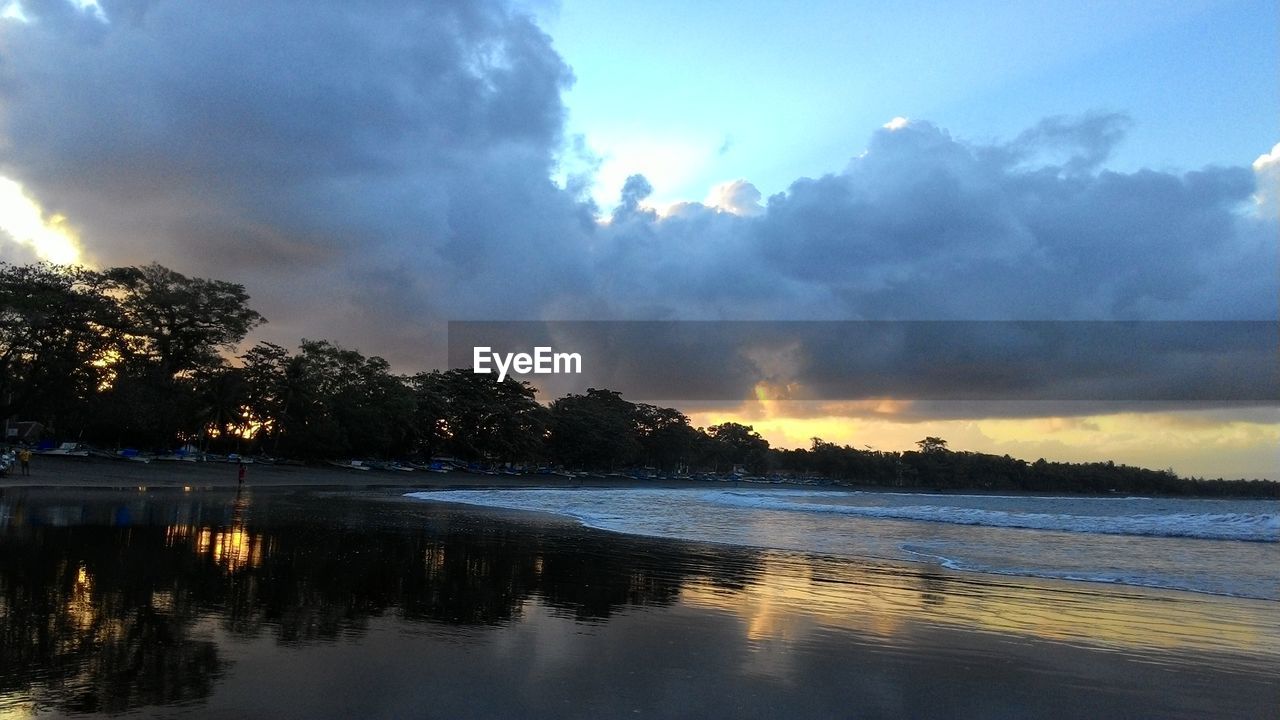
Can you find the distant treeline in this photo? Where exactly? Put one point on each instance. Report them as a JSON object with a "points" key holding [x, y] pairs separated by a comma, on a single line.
{"points": [[137, 357]]}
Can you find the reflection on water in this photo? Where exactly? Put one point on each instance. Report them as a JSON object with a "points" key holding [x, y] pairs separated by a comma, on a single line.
{"points": [[114, 601], [103, 605], [232, 548], [797, 595], [77, 624]]}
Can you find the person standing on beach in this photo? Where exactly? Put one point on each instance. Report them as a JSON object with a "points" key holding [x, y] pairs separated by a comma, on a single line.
{"points": [[241, 480], [24, 459]]}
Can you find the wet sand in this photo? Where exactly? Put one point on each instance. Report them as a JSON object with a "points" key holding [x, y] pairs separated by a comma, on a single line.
{"points": [[280, 600], [90, 472]]}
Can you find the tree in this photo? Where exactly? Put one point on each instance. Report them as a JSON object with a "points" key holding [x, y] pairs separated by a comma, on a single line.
{"points": [[176, 323], [430, 405], [56, 339], [173, 332], [595, 431], [666, 439], [267, 392], [332, 401], [737, 444], [222, 396], [474, 416], [932, 445]]}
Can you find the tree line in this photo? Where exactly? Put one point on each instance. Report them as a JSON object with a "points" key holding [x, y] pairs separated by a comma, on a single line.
{"points": [[142, 357]]}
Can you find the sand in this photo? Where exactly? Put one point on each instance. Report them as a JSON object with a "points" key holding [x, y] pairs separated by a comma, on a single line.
{"points": [[90, 472]]}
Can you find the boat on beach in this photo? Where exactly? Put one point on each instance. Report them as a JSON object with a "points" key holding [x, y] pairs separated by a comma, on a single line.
{"points": [[70, 449], [187, 453], [130, 454], [388, 466], [349, 464]]}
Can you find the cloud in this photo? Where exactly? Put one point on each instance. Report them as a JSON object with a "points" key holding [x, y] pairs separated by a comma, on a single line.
{"points": [[388, 161], [1267, 169], [919, 369], [371, 172], [28, 235], [738, 197], [1072, 144], [634, 191], [925, 226]]}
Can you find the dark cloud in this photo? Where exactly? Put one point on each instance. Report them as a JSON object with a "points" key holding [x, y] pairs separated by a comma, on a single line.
{"points": [[383, 159], [371, 170], [924, 226], [1130, 364], [1072, 144]]}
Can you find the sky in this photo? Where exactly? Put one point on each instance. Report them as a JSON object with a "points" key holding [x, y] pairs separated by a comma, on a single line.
{"points": [[679, 95], [372, 171]]}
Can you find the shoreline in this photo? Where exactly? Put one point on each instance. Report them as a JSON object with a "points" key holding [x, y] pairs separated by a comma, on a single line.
{"points": [[97, 474], [61, 471], [984, 577], [81, 472]]}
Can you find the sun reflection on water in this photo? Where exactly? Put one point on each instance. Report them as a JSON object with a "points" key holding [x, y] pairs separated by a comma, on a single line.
{"points": [[233, 547], [795, 598]]}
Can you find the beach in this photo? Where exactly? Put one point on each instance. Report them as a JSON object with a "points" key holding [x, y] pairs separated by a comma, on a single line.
{"points": [[520, 359], [90, 472], [170, 590]]}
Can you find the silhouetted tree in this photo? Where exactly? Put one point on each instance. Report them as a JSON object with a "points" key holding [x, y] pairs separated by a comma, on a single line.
{"points": [[666, 439], [137, 355], [932, 444], [737, 444], [594, 431], [173, 332], [57, 332], [473, 416], [177, 323]]}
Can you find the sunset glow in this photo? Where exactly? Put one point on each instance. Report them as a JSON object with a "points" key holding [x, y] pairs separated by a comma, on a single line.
{"points": [[49, 237]]}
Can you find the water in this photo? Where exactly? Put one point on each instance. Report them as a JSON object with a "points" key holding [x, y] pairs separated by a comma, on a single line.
{"points": [[1224, 547], [294, 602]]}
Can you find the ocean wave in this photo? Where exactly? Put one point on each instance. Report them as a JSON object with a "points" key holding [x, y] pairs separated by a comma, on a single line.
{"points": [[1249, 527], [993, 496], [1111, 577]]}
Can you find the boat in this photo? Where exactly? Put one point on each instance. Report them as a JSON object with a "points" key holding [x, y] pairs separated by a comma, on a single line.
{"points": [[187, 453], [388, 466], [133, 455], [68, 449], [349, 464]]}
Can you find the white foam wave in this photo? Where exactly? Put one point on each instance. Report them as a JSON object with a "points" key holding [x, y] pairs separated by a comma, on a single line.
{"points": [[1113, 577], [989, 496], [1252, 527]]}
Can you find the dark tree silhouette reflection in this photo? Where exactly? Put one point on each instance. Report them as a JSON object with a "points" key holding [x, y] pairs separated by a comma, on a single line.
{"points": [[113, 603], [91, 618]]}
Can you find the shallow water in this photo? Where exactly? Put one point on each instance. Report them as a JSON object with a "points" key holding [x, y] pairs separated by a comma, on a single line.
{"points": [[1226, 547], [335, 604]]}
